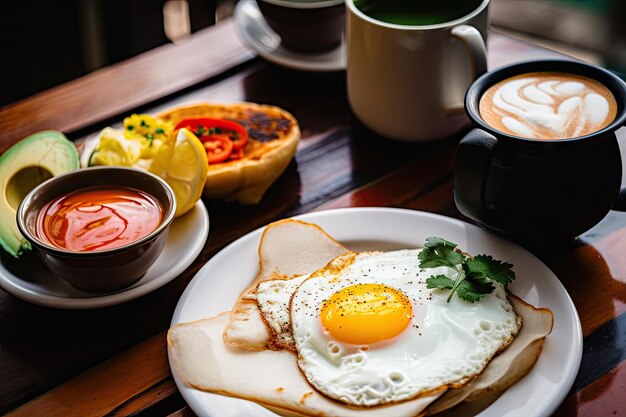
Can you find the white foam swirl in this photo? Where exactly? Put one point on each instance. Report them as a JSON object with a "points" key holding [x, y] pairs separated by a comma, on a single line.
{"points": [[536, 108]]}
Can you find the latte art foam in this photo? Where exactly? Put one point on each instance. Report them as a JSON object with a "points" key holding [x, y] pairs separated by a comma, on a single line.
{"points": [[548, 105]]}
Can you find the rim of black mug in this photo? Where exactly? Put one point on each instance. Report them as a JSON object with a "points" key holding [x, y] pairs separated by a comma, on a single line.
{"points": [[611, 81]]}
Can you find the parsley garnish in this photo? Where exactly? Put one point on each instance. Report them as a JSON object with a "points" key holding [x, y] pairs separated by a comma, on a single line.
{"points": [[474, 276], [199, 131]]}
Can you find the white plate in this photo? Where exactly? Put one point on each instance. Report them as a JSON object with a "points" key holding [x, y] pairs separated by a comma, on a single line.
{"points": [[256, 34], [217, 285], [34, 283]]}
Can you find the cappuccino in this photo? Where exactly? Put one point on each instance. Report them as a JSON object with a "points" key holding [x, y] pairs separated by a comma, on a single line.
{"points": [[548, 105]]}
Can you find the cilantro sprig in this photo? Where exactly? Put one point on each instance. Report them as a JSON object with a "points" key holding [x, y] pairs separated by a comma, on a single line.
{"points": [[473, 275]]}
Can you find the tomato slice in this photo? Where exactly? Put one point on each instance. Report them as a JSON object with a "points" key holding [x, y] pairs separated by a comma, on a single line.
{"points": [[204, 126], [236, 154], [218, 147]]}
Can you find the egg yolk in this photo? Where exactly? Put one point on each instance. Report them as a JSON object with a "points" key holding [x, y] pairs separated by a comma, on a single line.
{"points": [[366, 313]]}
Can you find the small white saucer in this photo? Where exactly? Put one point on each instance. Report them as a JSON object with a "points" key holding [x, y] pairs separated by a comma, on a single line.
{"points": [[256, 34], [31, 281]]}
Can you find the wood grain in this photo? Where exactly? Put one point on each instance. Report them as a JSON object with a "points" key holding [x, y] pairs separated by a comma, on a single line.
{"points": [[399, 187], [599, 295], [128, 85], [107, 386], [158, 399], [183, 412], [604, 397]]}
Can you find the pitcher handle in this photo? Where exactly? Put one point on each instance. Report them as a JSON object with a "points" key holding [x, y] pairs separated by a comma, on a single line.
{"points": [[475, 46], [476, 51]]}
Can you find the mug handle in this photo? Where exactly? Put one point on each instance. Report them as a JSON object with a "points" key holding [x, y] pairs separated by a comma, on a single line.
{"points": [[474, 154], [475, 46], [477, 54]]}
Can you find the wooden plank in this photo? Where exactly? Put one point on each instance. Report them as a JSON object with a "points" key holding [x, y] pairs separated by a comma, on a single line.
{"points": [[436, 201], [119, 88], [106, 387], [153, 399], [591, 284], [402, 185], [183, 412], [604, 397]]}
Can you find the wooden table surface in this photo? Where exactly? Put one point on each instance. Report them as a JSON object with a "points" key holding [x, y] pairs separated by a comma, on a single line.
{"points": [[113, 361]]}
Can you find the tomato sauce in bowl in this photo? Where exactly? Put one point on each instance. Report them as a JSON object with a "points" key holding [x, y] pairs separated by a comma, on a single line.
{"points": [[96, 219]]}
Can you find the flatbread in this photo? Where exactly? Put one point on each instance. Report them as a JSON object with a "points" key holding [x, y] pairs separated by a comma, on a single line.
{"points": [[204, 362], [273, 138], [287, 248], [509, 366]]}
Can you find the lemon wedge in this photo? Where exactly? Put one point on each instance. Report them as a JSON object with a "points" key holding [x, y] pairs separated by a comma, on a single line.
{"points": [[184, 166], [113, 149]]}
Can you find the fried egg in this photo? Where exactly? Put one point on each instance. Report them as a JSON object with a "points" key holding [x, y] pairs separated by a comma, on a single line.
{"points": [[368, 331]]}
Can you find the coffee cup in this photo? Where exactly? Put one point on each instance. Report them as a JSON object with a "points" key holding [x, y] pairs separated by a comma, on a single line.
{"points": [[543, 163], [410, 63], [306, 25]]}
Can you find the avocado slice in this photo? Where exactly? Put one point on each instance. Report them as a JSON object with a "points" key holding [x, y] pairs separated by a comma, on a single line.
{"points": [[24, 166]]}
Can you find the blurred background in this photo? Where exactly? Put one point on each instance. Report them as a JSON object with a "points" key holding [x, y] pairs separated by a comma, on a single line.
{"points": [[49, 43]]}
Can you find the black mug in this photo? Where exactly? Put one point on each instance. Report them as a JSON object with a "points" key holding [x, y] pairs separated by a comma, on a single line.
{"points": [[539, 189]]}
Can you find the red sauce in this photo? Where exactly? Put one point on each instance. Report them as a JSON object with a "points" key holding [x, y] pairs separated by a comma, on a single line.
{"points": [[98, 218]]}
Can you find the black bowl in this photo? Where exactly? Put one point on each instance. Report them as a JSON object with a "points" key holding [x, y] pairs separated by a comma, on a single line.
{"points": [[104, 270]]}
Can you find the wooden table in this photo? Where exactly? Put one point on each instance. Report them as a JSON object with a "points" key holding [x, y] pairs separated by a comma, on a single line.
{"points": [[113, 361]]}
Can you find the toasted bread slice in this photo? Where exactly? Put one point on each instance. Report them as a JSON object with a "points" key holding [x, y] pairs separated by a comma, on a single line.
{"points": [[287, 248], [273, 138]]}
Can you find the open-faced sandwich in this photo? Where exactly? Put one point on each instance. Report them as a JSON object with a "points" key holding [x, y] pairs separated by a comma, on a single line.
{"points": [[246, 146], [324, 331]]}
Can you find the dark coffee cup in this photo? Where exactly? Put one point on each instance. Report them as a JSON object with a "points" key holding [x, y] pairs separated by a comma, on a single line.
{"points": [[539, 189], [306, 25]]}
